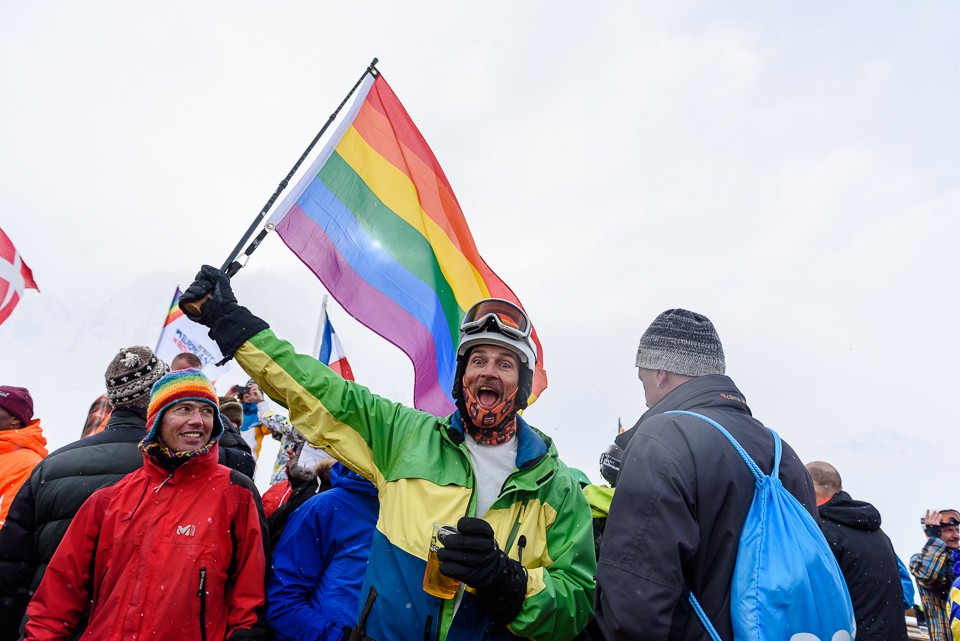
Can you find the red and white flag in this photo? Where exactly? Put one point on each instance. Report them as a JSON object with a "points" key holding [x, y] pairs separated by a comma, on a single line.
{"points": [[331, 351], [15, 277]]}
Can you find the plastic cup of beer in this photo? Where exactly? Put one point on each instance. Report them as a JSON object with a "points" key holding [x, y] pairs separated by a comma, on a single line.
{"points": [[434, 581]]}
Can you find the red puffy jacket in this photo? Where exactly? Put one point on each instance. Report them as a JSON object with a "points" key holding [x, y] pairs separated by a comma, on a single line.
{"points": [[161, 555]]}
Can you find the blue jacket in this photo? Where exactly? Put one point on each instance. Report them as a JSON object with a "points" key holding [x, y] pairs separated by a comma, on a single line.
{"points": [[313, 588]]}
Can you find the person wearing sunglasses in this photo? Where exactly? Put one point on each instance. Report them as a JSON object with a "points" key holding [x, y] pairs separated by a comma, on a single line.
{"points": [[523, 550], [933, 569]]}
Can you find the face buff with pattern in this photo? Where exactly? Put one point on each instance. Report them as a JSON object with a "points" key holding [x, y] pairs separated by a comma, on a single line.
{"points": [[490, 426]]}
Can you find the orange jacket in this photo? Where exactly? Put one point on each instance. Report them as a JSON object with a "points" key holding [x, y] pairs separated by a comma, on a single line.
{"points": [[20, 451]]}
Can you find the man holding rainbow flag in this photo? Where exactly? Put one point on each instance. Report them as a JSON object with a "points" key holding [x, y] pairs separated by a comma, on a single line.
{"points": [[523, 550]]}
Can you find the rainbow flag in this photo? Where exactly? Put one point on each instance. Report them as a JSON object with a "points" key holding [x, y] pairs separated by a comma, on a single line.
{"points": [[174, 313], [180, 334], [377, 221]]}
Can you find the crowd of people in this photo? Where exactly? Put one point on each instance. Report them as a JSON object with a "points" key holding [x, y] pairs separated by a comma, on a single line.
{"points": [[150, 526]]}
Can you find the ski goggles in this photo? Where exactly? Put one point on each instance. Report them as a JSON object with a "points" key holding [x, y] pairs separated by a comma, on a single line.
{"points": [[510, 320]]}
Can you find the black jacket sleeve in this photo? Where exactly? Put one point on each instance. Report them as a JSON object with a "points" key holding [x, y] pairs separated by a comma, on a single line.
{"points": [[17, 562], [649, 536], [234, 451]]}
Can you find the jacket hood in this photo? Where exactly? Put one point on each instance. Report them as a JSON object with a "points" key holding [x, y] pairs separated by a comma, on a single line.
{"points": [[859, 515], [342, 477], [702, 392], [532, 445], [537, 456], [195, 464], [28, 437], [126, 418]]}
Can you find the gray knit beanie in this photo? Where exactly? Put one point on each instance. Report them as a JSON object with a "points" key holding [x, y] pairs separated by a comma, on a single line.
{"points": [[681, 342], [130, 376]]}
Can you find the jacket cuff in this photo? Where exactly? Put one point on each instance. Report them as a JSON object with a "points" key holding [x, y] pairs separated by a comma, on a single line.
{"points": [[505, 600], [235, 328]]}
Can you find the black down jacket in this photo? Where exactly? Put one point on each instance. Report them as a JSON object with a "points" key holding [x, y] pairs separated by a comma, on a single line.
{"points": [[869, 566]]}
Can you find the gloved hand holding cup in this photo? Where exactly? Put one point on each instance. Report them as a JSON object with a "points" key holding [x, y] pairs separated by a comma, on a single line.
{"points": [[434, 581]]}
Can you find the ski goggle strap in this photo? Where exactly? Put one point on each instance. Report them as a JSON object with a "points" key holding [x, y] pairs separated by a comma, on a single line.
{"points": [[510, 319]]}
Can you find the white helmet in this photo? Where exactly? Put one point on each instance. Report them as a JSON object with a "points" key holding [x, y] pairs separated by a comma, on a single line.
{"points": [[494, 321]]}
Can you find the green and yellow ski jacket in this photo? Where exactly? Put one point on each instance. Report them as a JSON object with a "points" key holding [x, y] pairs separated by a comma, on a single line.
{"points": [[423, 473]]}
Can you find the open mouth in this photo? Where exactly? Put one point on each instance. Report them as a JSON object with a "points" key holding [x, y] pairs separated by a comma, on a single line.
{"points": [[488, 397], [191, 435]]}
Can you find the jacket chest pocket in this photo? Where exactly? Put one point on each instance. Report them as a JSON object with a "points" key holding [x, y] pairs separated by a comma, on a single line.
{"points": [[201, 571], [206, 589], [526, 539]]}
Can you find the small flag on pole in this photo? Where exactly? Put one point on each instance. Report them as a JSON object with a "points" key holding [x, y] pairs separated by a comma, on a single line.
{"points": [[180, 334], [331, 351], [15, 277]]}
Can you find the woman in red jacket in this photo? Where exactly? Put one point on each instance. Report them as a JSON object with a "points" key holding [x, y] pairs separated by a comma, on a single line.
{"points": [[173, 551]]}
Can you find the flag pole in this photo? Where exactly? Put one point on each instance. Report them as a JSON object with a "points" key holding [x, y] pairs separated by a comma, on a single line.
{"points": [[231, 266], [320, 325]]}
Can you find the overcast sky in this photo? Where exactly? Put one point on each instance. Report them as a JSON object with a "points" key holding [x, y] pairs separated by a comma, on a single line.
{"points": [[791, 171]]}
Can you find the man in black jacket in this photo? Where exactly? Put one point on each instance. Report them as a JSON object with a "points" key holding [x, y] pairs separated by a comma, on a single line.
{"points": [[59, 485], [683, 492], [865, 555]]}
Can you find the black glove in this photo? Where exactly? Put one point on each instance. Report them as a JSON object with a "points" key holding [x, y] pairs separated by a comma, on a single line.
{"points": [[473, 557], [230, 324], [933, 530]]}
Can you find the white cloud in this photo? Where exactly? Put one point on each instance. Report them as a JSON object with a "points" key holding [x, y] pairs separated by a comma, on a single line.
{"points": [[789, 171]]}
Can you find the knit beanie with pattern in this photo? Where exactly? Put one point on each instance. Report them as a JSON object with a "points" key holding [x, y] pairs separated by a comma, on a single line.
{"points": [[175, 387], [682, 342], [130, 376]]}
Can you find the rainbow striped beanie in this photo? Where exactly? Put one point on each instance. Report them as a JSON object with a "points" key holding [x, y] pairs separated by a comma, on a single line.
{"points": [[181, 385]]}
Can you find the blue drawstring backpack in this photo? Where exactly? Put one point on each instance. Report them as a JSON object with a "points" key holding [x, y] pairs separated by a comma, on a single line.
{"points": [[786, 584]]}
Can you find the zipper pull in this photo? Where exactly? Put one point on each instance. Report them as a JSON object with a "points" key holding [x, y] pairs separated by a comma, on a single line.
{"points": [[201, 593], [521, 543], [157, 489]]}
